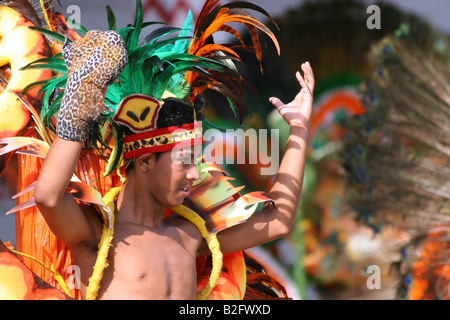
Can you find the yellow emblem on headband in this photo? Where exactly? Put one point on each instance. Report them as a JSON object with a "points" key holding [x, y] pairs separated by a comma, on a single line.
{"points": [[138, 112]]}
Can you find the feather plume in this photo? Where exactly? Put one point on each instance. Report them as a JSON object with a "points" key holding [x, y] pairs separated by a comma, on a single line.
{"points": [[214, 18], [178, 60], [397, 154]]}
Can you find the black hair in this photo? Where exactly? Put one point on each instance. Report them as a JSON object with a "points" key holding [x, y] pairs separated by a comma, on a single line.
{"points": [[176, 112]]}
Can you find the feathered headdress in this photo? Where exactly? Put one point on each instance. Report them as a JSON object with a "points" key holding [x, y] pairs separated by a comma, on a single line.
{"points": [[179, 62]]}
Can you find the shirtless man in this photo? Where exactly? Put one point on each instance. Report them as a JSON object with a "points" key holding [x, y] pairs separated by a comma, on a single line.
{"points": [[152, 257]]}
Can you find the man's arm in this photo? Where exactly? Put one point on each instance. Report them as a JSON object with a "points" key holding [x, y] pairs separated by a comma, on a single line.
{"points": [[81, 106], [275, 222], [63, 214]]}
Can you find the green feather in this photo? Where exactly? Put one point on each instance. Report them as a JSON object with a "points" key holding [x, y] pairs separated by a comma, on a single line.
{"points": [[137, 26], [32, 85], [54, 107], [160, 33], [116, 153], [112, 22], [51, 34], [55, 63], [186, 30], [75, 25]]}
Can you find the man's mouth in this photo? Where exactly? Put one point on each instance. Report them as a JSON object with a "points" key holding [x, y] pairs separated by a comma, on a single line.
{"points": [[185, 190]]}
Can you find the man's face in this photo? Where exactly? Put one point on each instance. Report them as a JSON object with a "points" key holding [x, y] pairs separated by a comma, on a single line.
{"points": [[174, 173]]}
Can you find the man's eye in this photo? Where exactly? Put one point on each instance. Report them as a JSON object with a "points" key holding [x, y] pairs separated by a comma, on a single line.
{"points": [[186, 160]]}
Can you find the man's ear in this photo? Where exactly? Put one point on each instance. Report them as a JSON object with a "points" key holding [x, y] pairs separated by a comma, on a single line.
{"points": [[145, 162]]}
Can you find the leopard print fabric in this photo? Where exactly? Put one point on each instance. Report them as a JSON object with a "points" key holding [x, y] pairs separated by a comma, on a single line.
{"points": [[93, 63]]}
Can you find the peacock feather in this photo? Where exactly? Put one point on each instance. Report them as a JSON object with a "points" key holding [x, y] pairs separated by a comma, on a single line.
{"points": [[397, 154]]}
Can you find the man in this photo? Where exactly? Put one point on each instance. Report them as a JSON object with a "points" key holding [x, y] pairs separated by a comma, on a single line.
{"points": [[152, 257]]}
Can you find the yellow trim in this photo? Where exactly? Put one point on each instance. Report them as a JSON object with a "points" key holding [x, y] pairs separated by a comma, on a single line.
{"points": [[44, 12], [213, 245], [105, 242], [217, 262]]}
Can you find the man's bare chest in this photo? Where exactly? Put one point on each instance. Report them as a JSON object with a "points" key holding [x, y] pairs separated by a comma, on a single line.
{"points": [[151, 265]]}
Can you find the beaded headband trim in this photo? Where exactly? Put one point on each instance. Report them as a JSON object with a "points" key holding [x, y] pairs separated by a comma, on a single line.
{"points": [[164, 139]]}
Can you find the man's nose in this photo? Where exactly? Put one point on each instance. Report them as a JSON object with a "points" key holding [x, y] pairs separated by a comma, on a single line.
{"points": [[192, 173]]}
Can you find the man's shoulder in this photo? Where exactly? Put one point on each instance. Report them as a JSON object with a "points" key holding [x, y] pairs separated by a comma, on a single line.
{"points": [[184, 226]]}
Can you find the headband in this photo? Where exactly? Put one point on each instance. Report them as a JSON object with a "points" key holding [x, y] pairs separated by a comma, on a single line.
{"points": [[139, 113], [164, 139]]}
